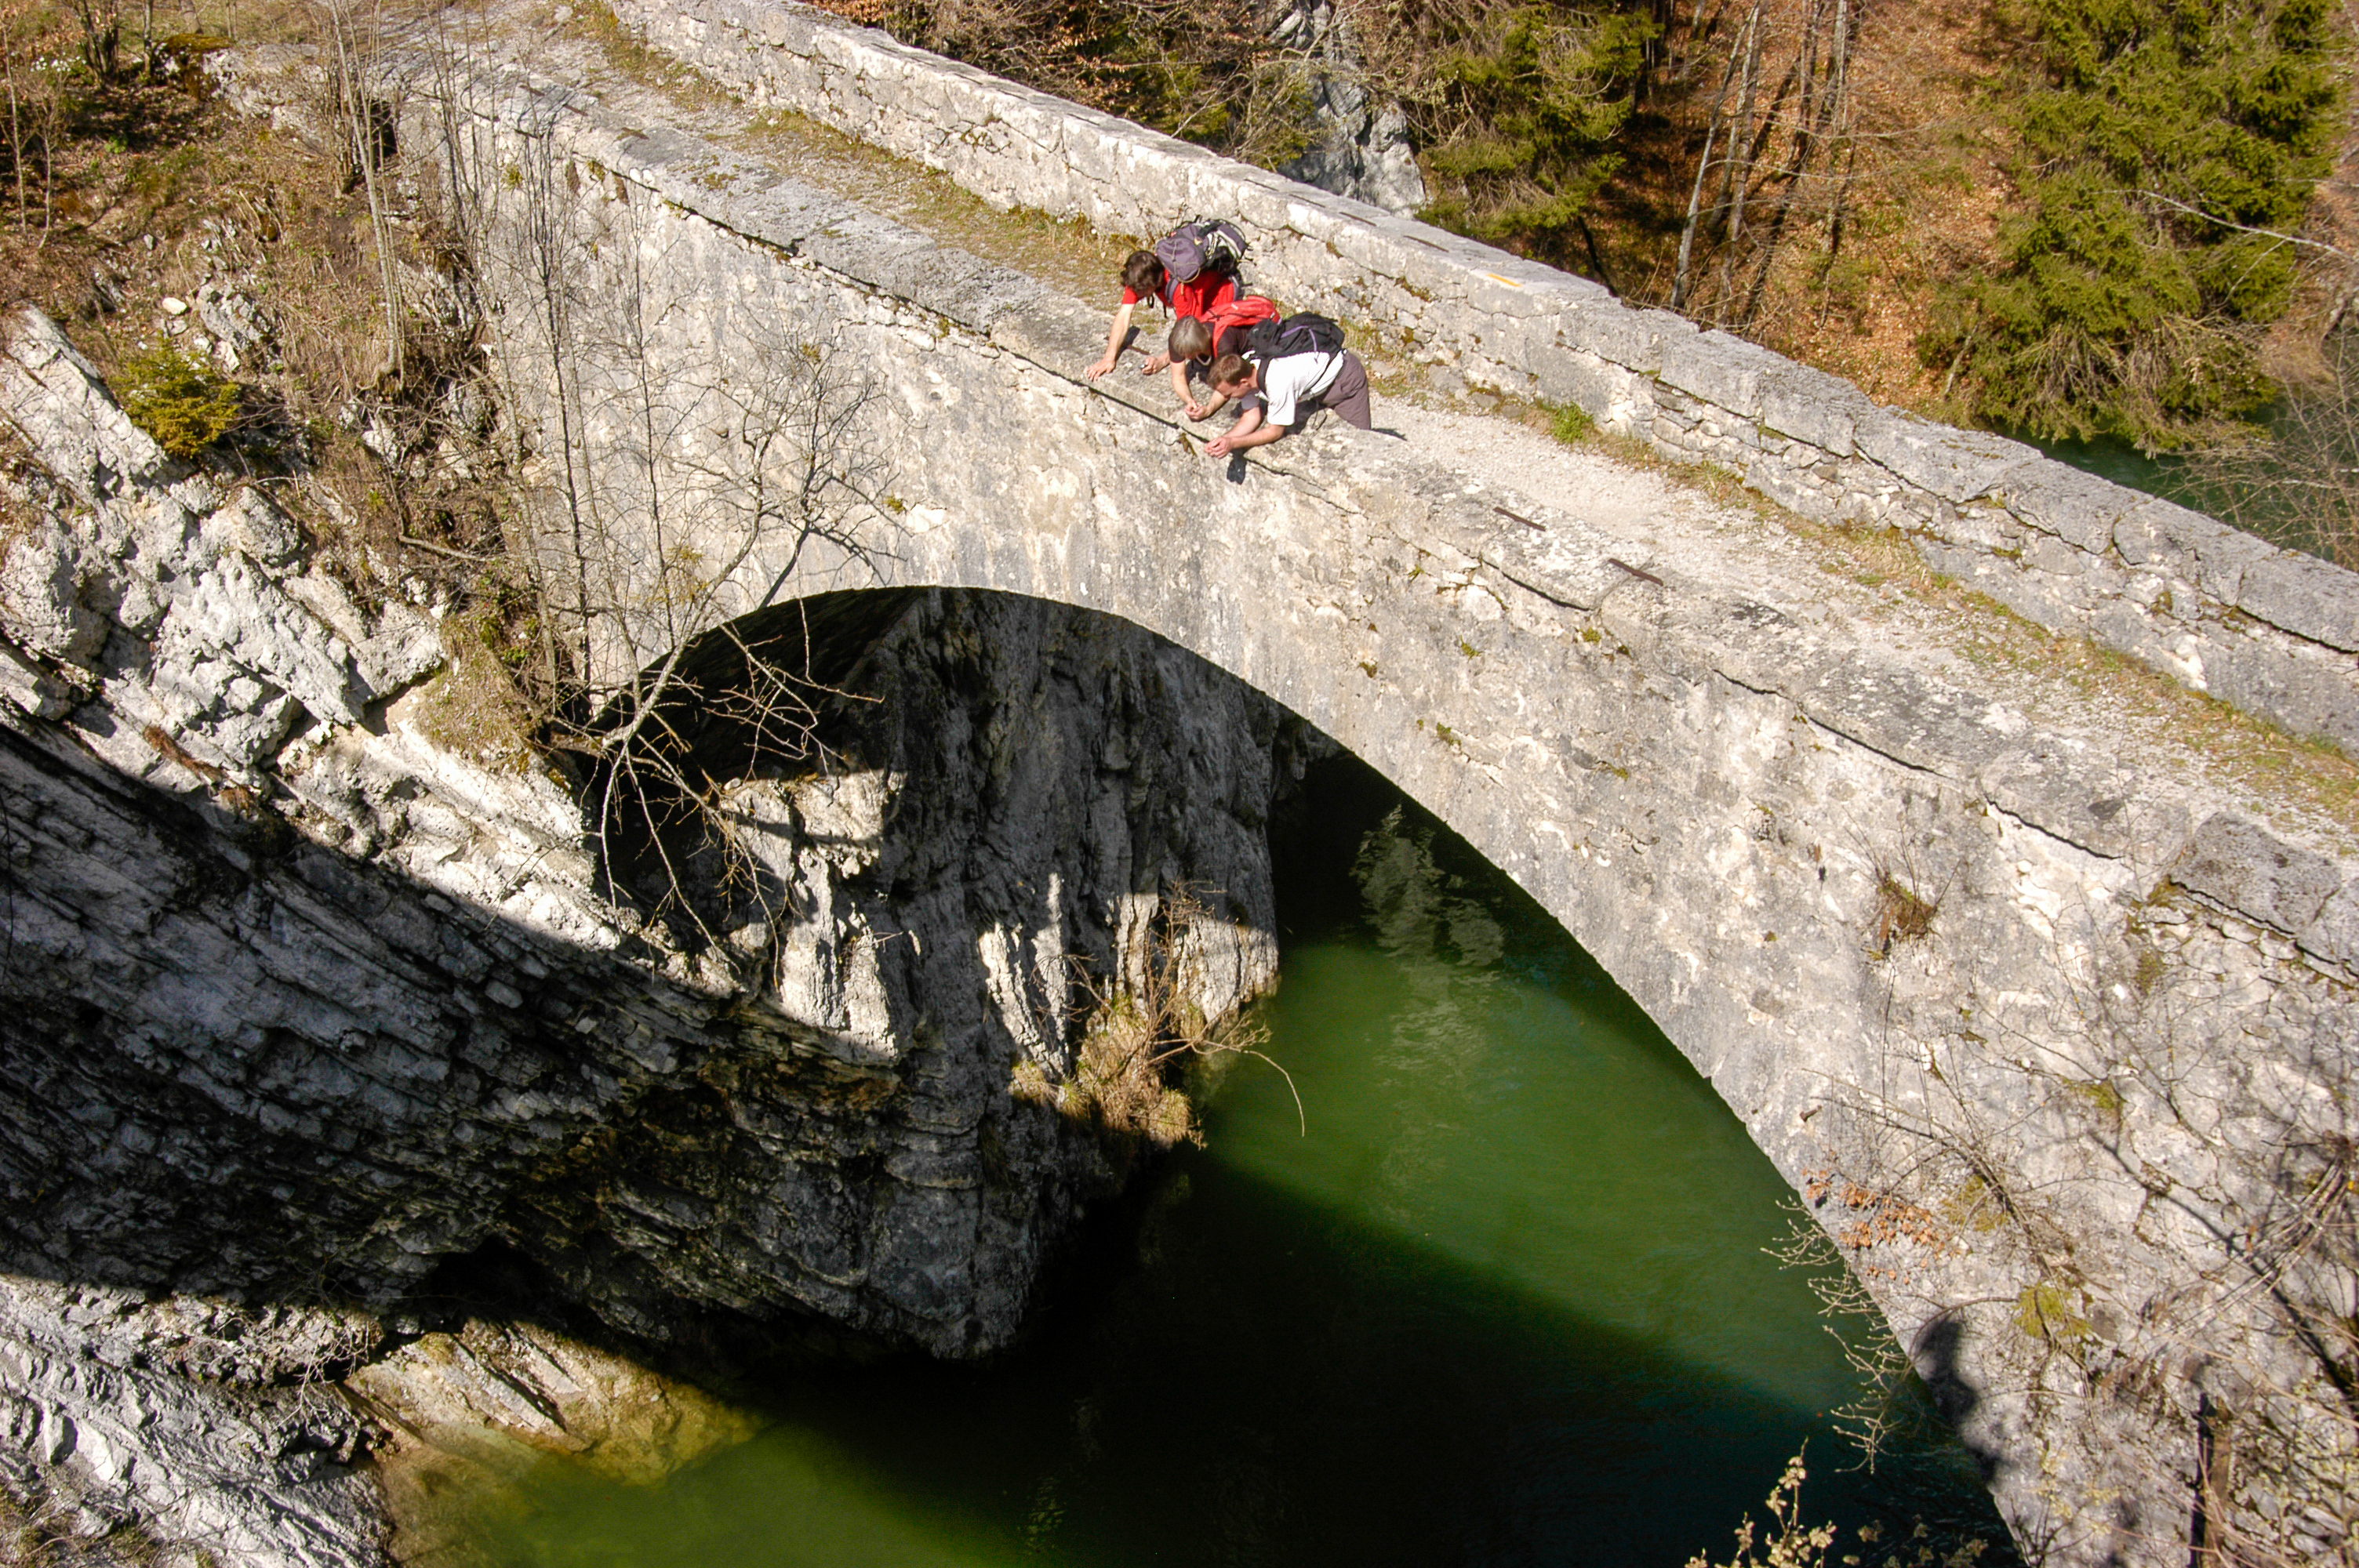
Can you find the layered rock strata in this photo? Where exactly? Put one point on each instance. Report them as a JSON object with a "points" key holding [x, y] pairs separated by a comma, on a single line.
{"points": [[299, 1006]]}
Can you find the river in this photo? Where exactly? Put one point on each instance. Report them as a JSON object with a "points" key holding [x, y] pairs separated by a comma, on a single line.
{"points": [[1496, 1295]]}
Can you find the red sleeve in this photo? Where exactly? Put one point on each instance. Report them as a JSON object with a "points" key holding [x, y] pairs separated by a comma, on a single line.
{"points": [[1129, 297]]}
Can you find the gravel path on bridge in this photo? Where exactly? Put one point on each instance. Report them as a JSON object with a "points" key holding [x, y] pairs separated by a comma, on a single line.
{"points": [[1676, 530]]}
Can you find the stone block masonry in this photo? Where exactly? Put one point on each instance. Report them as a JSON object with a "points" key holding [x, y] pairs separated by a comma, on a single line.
{"points": [[2273, 632]]}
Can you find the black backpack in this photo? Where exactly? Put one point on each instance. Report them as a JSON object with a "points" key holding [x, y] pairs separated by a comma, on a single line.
{"points": [[1304, 333]]}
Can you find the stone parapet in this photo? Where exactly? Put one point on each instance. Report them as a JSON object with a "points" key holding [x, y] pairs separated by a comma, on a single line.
{"points": [[2271, 631]]}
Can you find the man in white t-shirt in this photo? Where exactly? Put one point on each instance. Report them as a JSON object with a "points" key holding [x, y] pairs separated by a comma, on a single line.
{"points": [[1281, 395]]}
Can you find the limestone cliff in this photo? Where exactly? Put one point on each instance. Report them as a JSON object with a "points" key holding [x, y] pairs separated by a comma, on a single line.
{"points": [[298, 1007]]}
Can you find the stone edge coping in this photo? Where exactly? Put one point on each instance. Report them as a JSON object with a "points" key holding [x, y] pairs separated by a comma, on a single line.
{"points": [[1013, 145], [2228, 860]]}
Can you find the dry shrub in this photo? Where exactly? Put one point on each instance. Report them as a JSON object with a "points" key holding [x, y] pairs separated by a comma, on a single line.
{"points": [[1118, 1079], [1789, 1543], [16, 469], [473, 708], [1141, 1040], [1902, 914]]}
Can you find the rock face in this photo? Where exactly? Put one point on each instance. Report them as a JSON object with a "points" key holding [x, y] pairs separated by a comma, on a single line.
{"points": [[184, 1430], [456, 1410], [298, 1005], [1364, 149], [137, 1429]]}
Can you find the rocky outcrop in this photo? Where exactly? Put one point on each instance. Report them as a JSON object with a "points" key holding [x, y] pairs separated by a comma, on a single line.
{"points": [[180, 1431], [1362, 147], [299, 1005], [457, 1415], [140, 1432]]}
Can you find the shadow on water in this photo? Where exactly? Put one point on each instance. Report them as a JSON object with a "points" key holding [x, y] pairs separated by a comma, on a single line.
{"points": [[1504, 1304]]}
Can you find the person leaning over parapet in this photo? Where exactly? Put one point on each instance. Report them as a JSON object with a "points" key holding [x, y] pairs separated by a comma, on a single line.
{"points": [[1290, 370], [1190, 270], [1196, 340]]}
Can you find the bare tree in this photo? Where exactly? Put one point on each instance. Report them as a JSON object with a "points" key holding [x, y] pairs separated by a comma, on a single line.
{"points": [[675, 467], [2300, 486], [364, 136], [1779, 151]]}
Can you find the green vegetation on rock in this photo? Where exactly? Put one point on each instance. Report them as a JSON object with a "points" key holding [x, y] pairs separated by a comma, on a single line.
{"points": [[178, 398], [2155, 137]]}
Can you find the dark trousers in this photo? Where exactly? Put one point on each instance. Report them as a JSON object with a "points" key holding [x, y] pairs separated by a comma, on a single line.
{"points": [[1347, 399]]}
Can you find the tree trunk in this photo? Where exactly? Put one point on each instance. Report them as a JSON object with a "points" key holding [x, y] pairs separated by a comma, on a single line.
{"points": [[1682, 275], [1743, 142], [362, 117]]}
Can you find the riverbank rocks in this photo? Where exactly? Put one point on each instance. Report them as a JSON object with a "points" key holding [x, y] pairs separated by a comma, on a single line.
{"points": [[459, 1417]]}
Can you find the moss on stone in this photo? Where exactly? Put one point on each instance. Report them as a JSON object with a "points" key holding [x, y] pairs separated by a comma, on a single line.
{"points": [[178, 398]]}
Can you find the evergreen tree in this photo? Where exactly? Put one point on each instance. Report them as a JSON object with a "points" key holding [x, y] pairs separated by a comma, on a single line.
{"points": [[1517, 106], [2155, 136]]}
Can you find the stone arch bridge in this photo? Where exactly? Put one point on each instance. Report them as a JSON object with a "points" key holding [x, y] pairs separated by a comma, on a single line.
{"points": [[1960, 935], [1735, 767]]}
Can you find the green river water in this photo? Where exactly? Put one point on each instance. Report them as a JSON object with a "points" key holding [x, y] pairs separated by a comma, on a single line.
{"points": [[1506, 1304]]}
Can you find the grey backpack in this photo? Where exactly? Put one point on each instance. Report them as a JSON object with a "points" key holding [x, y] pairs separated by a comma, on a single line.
{"points": [[1202, 245]]}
